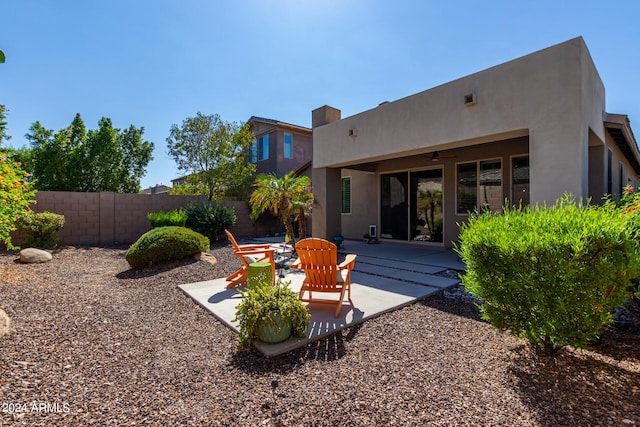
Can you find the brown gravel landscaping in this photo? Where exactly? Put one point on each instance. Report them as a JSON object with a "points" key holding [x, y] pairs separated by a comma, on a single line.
{"points": [[95, 343]]}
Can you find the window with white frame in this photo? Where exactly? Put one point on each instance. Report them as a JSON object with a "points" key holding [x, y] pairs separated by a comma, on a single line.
{"points": [[346, 195], [288, 146]]}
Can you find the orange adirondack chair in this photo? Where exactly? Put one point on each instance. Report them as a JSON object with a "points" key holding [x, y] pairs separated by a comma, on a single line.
{"points": [[249, 254], [319, 260]]}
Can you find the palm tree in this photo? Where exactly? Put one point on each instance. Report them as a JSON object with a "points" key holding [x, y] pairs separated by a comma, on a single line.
{"points": [[282, 196], [302, 205]]}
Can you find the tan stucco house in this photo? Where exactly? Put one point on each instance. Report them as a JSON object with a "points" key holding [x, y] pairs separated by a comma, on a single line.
{"points": [[528, 130]]}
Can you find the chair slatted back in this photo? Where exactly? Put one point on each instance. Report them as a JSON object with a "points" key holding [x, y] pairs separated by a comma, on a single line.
{"points": [[319, 260], [232, 239]]}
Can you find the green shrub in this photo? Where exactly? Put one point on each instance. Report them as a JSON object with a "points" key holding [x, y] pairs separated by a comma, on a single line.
{"points": [[176, 217], [15, 196], [41, 228], [165, 244], [629, 205], [210, 219], [550, 275]]}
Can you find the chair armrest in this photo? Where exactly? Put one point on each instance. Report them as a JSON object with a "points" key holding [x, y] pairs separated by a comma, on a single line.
{"points": [[267, 252], [348, 262], [251, 247], [296, 264]]}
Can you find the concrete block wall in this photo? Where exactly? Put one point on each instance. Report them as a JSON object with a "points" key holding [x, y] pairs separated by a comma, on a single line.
{"points": [[109, 218]]}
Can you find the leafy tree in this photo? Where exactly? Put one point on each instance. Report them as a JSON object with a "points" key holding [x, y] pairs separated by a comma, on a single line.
{"points": [[15, 195], [24, 156], [1, 57], [74, 159], [213, 153], [3, 124], [282, 196]]}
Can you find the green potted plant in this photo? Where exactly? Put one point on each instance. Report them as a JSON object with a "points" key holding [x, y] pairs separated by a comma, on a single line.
{"points": [[271, 314]]}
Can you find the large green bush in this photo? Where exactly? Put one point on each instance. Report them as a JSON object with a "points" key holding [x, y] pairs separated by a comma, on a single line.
{"points": [[41, 228], [165, 244], [176, 217], [629, 206], [15, 196], [210, 219], [551, 275]]}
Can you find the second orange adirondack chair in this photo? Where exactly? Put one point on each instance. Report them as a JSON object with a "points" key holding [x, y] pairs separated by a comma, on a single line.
{"points": [[249, 254], [319, 260]]}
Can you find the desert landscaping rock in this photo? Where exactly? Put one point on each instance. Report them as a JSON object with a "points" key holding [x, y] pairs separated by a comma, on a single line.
{"points": [[5, 321], [103, 344], [34, 256]]}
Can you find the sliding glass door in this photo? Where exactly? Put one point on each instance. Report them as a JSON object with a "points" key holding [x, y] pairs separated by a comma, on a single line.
{"points": [[426, 201], [411, 206], [394, 204]]}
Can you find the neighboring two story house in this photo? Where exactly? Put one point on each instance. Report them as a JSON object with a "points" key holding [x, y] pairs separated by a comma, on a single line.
{"points": [[280, 147]]}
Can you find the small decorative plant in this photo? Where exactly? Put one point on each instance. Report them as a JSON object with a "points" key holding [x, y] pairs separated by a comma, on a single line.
{"points": [[274, 308]]}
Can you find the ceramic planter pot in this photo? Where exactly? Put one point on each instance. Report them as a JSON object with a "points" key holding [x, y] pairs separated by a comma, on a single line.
{"points": [[274, 330]]}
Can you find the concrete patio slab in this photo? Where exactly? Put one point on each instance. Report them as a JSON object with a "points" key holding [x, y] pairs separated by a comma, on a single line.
{"points": [[387, 276], [397, 264], [370, 295]]}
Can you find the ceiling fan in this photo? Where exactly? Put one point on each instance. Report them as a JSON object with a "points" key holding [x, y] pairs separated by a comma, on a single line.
{"points": [[437, 156]]}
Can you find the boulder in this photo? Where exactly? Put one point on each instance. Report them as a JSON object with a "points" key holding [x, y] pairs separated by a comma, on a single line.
{"points": [[4, 323], [33, 255]]}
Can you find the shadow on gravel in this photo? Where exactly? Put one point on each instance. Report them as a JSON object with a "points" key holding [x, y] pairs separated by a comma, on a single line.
{"points": [[620, 342], [327, 349], [133, 273], [457, 307], [576, 388]]}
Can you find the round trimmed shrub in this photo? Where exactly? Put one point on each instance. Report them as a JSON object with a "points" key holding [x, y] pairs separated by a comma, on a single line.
{"points": [[550, 275], [42, 229], [165, 244]]}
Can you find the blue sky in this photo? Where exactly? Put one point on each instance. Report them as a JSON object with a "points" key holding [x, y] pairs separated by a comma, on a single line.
{"points": [[153, 63]]}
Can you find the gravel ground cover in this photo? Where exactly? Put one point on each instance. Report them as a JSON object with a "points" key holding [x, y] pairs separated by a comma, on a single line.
{"points": [[95, 343]]}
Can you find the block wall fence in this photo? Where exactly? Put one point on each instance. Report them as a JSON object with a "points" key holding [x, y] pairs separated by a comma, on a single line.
{"points": [[108, 218]]}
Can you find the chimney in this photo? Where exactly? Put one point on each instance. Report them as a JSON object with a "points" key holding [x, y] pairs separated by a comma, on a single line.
{"points": [[323, 115]]}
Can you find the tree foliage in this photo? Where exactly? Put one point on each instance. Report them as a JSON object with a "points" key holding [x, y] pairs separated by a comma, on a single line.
{"points": [[24, 156], [286, 196], [15, 196], [74, 159], [3, 124], [213, 154]]}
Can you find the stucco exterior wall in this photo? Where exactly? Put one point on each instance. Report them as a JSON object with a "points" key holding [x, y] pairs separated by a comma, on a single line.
{"points": [[554, 96], [364, 200]]}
